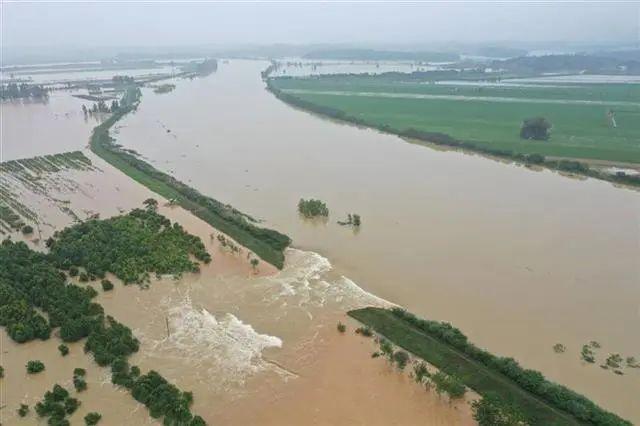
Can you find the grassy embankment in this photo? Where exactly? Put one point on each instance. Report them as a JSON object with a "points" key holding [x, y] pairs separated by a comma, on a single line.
{"points": [[542, 402], [484, 119], [268, 244]]}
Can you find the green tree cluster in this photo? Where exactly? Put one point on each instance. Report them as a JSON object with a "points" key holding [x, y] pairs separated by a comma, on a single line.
{"points": [[31, 279], [23, 90], [92, 418], [57, 405], [130, 246], [312, 208], [79, 381], [107, 285], [35, 366], [536, 128], [23, 410], [63, 349]]}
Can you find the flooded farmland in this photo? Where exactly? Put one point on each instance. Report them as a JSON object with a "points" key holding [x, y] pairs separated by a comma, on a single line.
{"points": [[519, 259]]}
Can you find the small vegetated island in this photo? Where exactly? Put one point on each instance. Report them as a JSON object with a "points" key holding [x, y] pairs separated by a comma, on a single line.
{"points": [[512, 395], [36, 298], [568, 126], [312, 208]]}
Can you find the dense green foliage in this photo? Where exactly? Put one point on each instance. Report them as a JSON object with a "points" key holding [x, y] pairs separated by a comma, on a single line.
{"points": [[130, 246], [56, 405], [491, 411], [79, 381], [444, 346], [35, 366], [29, 279], [312, 208], [162, 398], [266, 243], [92, 418], [484, 119]]}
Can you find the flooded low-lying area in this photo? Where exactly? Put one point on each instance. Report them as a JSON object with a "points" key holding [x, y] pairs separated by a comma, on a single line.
{"points": [[254, 345], [33, 127], [519, 259]]}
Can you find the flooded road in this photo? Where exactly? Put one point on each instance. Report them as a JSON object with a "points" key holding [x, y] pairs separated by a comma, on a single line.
{"points": [[518, 259]]}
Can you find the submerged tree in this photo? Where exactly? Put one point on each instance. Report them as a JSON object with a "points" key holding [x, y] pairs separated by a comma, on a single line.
{"points": [[312, 208]]}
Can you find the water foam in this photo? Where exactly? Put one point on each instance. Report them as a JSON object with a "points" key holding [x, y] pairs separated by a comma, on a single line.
{"points": [[228, 348], [307, 277]]}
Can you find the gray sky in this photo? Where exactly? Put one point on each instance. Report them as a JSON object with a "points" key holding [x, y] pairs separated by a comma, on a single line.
{"points": [[184, 23]]}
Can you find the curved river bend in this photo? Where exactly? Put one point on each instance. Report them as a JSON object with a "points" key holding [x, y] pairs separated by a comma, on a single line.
{"points": [[518, 259]]}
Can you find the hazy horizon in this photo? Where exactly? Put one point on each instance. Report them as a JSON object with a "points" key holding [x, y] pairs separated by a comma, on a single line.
{"points": [[94, 25]]}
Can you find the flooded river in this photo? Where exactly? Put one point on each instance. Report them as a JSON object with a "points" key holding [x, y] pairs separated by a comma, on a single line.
{"points": [[518, 259]]}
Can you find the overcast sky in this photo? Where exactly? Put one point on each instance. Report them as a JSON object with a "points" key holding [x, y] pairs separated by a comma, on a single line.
{"points": [[183, 23]]}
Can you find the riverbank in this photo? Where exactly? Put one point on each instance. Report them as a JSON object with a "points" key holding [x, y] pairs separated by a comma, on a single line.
{"points": [[541, 402], [578, 167]]}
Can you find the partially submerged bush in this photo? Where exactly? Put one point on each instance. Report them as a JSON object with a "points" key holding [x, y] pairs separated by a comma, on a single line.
{"points": [[401, 359], [106, 285], [341, 327], [312, 208], [63, 349], [34, 367], [92, 419]]}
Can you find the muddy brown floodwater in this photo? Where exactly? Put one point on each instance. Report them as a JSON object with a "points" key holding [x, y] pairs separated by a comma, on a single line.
{"points": [[255, 347], [37, 127], [518, 259]]}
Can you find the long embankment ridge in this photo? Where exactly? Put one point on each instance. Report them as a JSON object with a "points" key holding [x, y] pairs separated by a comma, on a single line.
{"points": [[541, 401], [563, 165], [268, 244]]}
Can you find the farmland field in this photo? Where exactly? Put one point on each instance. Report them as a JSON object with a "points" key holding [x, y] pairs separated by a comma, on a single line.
{"points": [[490, 114]]}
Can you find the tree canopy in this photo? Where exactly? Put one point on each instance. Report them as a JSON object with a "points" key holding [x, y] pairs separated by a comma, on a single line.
{"points": [[536, 128]]}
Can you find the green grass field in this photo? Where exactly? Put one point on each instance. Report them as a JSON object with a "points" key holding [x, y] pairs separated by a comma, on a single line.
{"points": [[490, 116]]}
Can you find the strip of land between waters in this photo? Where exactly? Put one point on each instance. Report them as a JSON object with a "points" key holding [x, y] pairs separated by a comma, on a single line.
{"points": [[268, 244], [440, 344], [577, 167]]}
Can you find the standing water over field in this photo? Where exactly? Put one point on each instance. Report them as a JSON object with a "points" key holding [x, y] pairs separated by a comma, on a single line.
{"points": [[518, 259]]}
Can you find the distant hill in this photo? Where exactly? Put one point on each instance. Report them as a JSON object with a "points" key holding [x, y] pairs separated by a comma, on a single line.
{"points": [[381, 55]]}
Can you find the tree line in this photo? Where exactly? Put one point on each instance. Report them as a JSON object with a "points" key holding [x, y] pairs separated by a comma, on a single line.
{"points": [[533, 381], [23, 90]]}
